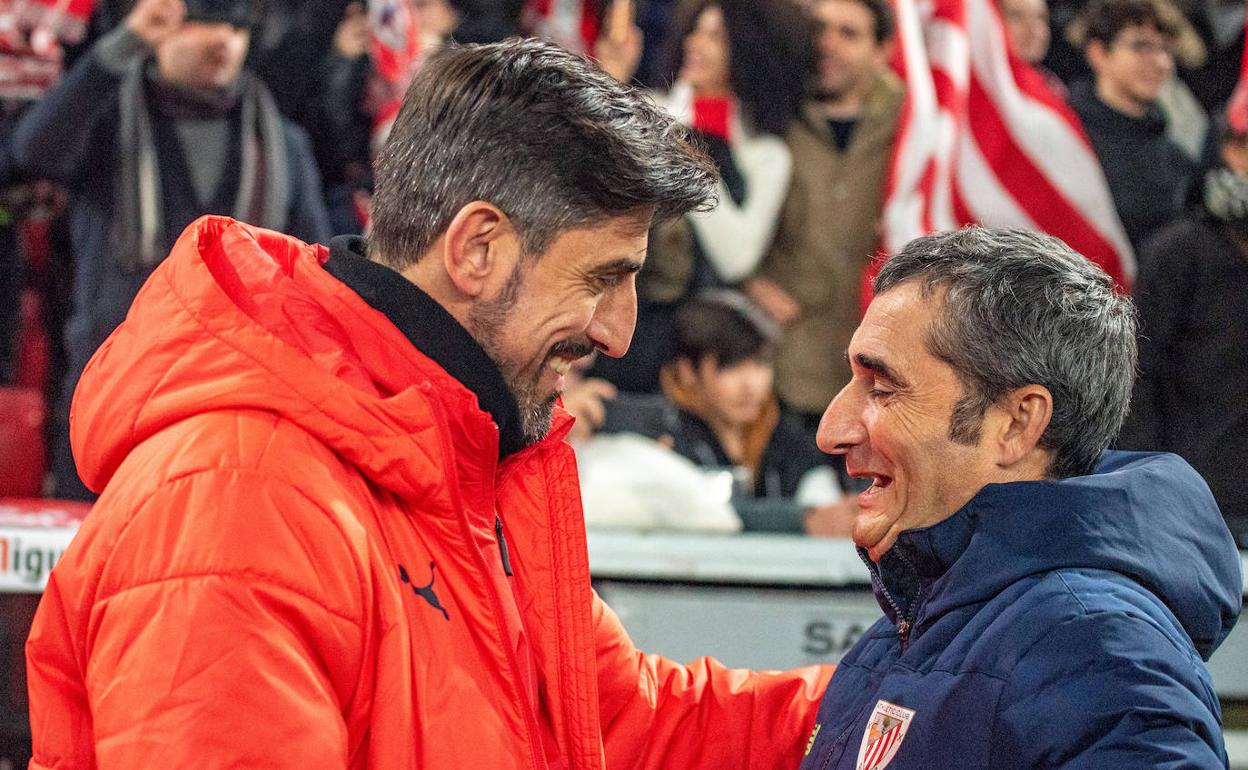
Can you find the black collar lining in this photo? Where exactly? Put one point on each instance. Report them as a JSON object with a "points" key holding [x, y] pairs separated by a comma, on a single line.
{"points": [[432, 330]]}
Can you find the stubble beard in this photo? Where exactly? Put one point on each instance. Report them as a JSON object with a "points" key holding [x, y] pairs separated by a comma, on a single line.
{"points": [[485, 322]]}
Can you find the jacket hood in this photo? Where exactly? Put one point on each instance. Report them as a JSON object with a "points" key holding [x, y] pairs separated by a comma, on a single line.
{"points": [[1148, 516], [242, 318]]}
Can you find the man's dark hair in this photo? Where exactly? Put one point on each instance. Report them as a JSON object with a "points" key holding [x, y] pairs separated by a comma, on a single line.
{"points": [[771, 55], [1022, 308], [1105, 19], [542, 134], [885, 21], [723, 325]]}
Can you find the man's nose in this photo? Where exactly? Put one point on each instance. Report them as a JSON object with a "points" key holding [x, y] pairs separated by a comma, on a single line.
{"points": [[841, 427], [611, 328]]}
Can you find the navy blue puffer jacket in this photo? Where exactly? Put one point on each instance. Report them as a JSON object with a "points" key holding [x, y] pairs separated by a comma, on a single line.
{"points": [[1051, 624]]}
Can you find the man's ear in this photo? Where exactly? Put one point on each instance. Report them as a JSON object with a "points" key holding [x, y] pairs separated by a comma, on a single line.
{"points": [[480, 248], [1022, 418], [686, 375], [1094, 52]]}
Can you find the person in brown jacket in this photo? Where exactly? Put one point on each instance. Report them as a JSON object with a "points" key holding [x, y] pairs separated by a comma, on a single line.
{"points": [[809, 280]]}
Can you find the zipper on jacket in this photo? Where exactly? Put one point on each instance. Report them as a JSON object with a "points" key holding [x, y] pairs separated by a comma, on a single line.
{"points": [[502, 544], [903, 625]]}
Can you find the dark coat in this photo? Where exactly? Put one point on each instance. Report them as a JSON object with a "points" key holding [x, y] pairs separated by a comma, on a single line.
{"points": [[1049, 624], [71, 137], [1148, 174], [1191, 293], [789, 455]]}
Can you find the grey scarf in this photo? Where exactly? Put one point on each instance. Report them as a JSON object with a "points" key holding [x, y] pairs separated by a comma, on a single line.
{"points": [[139, 237]]}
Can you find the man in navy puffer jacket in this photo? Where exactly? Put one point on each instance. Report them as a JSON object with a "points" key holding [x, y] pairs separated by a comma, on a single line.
{"points": [[1048, 603]]}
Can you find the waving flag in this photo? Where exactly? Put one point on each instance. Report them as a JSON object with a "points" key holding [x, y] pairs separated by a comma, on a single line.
{"points": [[572, 24], [395, 50], [983, 139]]}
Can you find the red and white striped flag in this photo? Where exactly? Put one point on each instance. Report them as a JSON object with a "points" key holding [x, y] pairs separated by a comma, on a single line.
{"points": [[395, 51], [571, 24], [983, 139]]}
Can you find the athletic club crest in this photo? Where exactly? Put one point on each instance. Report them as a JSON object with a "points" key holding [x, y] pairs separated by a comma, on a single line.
{"points": [[886, 729]]}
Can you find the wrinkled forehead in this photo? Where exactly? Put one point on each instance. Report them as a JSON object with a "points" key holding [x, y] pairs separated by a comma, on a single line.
{"points": [[897, 325]]}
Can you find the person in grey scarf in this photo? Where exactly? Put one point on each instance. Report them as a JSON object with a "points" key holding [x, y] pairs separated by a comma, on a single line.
{"points": [[159, 124], [1191, 292]]}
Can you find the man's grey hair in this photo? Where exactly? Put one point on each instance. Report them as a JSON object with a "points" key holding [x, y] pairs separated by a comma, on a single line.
{"points": [[1022, 308]]}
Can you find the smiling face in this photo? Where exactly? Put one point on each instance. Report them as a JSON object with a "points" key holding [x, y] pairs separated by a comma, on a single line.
{"points": [[704, 65], [892, 423], [577, 297]]}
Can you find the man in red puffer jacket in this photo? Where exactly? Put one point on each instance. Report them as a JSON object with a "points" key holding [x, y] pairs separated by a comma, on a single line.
{"points": [[339, 525]]}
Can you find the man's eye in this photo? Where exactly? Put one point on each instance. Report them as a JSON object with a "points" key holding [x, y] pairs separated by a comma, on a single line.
{"points": [[877, 393]]}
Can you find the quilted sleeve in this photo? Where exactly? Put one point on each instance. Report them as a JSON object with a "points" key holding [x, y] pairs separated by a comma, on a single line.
{"points": [[660, 714], [226, 638]]}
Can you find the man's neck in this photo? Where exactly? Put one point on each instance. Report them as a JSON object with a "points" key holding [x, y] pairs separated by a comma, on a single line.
{"points": [[1120, 102], [731, 439]]}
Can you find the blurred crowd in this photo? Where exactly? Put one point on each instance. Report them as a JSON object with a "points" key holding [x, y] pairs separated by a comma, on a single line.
{"points": [[118, 135]]}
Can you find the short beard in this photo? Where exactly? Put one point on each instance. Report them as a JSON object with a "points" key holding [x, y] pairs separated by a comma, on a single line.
{"points": [[485, 321]]}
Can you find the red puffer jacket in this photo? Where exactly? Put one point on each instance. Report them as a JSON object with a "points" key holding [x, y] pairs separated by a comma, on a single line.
{"points": [[271, 449]]}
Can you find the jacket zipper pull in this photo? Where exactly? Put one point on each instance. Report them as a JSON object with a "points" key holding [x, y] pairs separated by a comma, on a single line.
{"points": [[903, 631], [502, 545]]}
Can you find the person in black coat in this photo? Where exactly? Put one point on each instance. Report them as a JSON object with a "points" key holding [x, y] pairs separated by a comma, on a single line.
{"points": [[1191, 293], [1129, 49], [158, 124], [720, 378]]}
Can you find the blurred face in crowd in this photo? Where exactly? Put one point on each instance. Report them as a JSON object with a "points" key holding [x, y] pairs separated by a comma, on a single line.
{"points": [[577, 297], [1027, 24], [892, 422], [1131, 70], [704, 64], [203, 54], [849, 55], [733, 396], [435, 19]]}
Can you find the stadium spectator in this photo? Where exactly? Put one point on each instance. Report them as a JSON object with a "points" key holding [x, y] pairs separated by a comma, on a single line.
{"points": [[289, 38], [487, 21], [721, 379], [340, 123], [1048, 604], [1027, 25], [340, 526], [738, 69], [1129, 47], [162, 114], [1191, 292], [811, 278]]}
